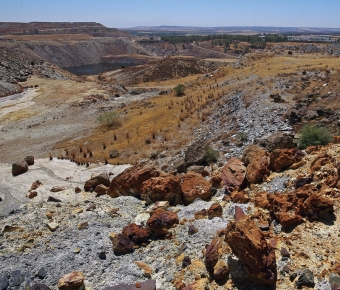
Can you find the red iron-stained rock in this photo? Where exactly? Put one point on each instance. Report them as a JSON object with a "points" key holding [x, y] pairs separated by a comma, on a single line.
{"points": [[161, 221], [136, 233], [195, 186], [233, 174]]}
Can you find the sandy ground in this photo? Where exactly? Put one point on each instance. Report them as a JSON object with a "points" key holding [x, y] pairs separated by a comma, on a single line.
{"points": [[51, 173]]}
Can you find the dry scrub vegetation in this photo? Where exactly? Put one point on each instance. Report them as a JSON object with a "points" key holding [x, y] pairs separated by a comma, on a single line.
{"points": [[166, 123]]}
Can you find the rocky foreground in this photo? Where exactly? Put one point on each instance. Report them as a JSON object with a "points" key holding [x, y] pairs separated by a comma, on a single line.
{"points": [[267, 221]]}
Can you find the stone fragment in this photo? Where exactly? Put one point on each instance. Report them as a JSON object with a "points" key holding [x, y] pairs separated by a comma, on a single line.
{"points": [[211, 254], [199, 284], [121, 244], [277, 140], [77, 211], [42, 273], [4, 282], [72, 281], [96, 180], [130, 182], [161, 221], [300, 182], [100, 189], [19, 168], [83, 226], [57, 188], [334, 281], [146, 269], [158, 204], [16, 278], [146, 285], [35, 185], [195, 153], [257, 161], [8, 229], [49, 215], [91, 207], [233, 174], [195, 186], [239, 196], [52, 226], [29, 160], [186, 261], [162, 188], [39, 287], [31, 194], [215, 210], [192, 230], [201, 214], [306, 279], [77, 190], [136, 233], [53, 199], [249, 245], [114, 153], [221, 270], [284, 253]]}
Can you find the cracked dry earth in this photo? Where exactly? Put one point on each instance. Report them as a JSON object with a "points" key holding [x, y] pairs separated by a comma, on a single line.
{"points": [[32, 251]]}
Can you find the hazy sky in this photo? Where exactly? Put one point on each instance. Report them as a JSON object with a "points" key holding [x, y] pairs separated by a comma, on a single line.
{"points": [[129, 13]]}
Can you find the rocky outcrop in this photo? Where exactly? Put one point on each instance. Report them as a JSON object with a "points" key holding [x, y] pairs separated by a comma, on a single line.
{"points": [[19, 168], [195, 186], [130, 182], [257, 161], [249, 245], [92, 183], [233, 174], [289, 208], [161, 221], [163, 188]]}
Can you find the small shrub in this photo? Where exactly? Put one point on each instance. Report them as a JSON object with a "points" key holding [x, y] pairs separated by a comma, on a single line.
{"points": [[243, 136], [179, 90], [312, 135], [210, 155], [110, 119]]}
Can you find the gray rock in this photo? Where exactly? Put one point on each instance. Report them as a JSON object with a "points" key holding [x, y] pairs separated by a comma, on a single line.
{"points": [[16, 278], [3, 283], [306, 279], [42, 273]]}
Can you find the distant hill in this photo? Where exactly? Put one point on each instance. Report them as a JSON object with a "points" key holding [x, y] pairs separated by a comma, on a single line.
{"points": [[230, 30], [31, 28]]}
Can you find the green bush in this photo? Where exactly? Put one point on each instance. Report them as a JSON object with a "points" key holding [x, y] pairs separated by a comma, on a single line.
{"points": [[314, 135], [179, 90], [243, 136], [210, 155], [110, 119]]}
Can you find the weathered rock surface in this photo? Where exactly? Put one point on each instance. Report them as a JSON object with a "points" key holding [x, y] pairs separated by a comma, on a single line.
{"points": [[212, 255], [162, 188], [233, 174], [19, 168], [121, 244], [195, 186], [136, 233], [161, 221], [249, 245], [130, 182], [283, 158], [195, 153]]}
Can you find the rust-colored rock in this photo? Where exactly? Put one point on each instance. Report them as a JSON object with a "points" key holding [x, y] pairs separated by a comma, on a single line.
{"points": [[162, 188], [216, 181], [283, 158], [239, 214], [161, 221], [239, 196], [249, 245], [257, 161], [233, 174], [221, 270], [130, 182], [72, 281], [29, 160], [215, 210], [36, 184], [31, 194], [201, 214], [121, 244], [101, 189], [96, 180], [319, 161], [289, 208], [212, 255], [336, 139], [195, 186], [136, 233]]}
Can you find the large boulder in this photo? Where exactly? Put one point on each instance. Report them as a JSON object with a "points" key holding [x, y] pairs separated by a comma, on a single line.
{"points": [[161, 221], [195, 186], [257, 161], [233, 174], [277, 140], [130, 182], [195, 153], [19, 168], [162, 188], [248, 243], [92, 183]]}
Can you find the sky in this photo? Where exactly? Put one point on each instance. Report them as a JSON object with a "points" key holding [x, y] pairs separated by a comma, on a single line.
{"points": [[204, 13]]}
